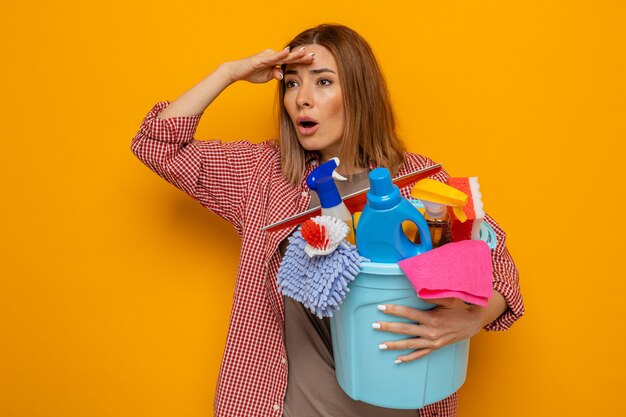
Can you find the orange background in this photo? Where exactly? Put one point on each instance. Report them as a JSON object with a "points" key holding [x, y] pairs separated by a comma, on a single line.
{"points": [[115, 287]]}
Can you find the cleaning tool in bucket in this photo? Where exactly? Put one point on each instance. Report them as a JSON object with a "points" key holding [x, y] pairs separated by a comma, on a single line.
{"points": [[486, 234], [473, 210], [318, 265], [436, 198], [380, 237], [354, 201], [364, 371], [321, 181], [459, 269]]}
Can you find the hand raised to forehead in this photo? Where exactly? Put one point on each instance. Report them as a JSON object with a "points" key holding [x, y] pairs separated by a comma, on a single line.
{"points": [[265, 66]]}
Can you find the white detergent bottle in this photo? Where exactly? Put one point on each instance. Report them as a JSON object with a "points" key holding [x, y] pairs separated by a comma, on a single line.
{"points": [[321, 181]]}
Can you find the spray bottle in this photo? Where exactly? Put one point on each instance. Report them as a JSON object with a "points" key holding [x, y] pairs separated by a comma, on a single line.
{"points": [[379, 236], [321, 181], [436, 197]]}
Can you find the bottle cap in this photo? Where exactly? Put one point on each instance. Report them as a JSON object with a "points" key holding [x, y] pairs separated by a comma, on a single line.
{"points": [[383, 193], [434, 210]]}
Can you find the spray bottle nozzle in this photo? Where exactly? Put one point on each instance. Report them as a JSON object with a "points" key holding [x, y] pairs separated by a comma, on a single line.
{"points": [[436, 195], [321, 181]]}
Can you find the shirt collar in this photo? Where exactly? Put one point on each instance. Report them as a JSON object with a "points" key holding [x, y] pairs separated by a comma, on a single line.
{"points": [[311, 157]]}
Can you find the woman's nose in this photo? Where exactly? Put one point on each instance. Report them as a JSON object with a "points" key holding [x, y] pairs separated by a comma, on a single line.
{"points": [[304, 98]]}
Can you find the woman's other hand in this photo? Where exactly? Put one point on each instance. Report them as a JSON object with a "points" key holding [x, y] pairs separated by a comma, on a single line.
{"points": [[451, 321], [265, 66]]}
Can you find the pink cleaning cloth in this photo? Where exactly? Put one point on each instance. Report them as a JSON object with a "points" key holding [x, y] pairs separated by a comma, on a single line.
{"points": [[458, 269]]}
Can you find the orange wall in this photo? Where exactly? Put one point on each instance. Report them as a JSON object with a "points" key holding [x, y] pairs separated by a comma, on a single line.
{"points": [[116, 288]]}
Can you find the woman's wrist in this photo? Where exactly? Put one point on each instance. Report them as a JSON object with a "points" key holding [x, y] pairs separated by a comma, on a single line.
{"points": [[226, 72]]}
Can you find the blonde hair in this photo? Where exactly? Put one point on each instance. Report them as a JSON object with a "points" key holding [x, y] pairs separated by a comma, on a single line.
{"points": [[369, 136]]}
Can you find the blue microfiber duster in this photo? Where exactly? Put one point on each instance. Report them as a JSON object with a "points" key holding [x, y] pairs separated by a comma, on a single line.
{"points": [[319, 282]]}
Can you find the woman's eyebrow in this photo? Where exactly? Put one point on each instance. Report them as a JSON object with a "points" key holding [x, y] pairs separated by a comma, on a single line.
{"points": [[313, 71]]}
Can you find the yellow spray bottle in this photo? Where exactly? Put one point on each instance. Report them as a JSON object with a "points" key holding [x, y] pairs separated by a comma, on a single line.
{"points": [[436, 197]]}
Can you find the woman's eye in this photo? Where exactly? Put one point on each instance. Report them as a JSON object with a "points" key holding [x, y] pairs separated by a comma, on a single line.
{"points": [[325, 82], [290, 84]]}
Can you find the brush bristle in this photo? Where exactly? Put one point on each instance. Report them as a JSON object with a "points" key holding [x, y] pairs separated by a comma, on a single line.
{"points": [[315, 234]]}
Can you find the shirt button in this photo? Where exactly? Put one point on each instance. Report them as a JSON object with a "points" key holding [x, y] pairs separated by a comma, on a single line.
{"points": [[304, 193], [283, 360], [276, 407], [314, 163]]}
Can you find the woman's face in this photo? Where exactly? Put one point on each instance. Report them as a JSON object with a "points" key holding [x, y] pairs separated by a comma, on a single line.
{"points": [[314, 103]]}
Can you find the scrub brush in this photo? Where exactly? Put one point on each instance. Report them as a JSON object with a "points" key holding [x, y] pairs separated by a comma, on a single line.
{"points": [[318, 265]]}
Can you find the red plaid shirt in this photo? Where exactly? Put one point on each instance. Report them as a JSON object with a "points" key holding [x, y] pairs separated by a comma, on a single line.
{"points": [[242, 182]]}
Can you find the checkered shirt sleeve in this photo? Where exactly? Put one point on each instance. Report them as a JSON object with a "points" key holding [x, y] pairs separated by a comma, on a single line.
{"points": [[216, 174]]}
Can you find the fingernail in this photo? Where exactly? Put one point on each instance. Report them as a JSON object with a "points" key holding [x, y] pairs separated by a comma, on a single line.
{"points": [[286, 49], [312, 54], [302, 49], [382, 346], [382, 307], [280, 75], [397, 361], [376, 325]]}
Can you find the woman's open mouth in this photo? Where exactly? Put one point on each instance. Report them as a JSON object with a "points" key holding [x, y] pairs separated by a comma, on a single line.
{"points": [[306, 126]]}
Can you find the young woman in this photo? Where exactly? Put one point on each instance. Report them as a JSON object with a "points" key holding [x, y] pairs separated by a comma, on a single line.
{"points": [[333, 102]]}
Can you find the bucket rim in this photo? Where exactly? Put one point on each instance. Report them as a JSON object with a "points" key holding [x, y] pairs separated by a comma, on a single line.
{"points": [[380, 268]]}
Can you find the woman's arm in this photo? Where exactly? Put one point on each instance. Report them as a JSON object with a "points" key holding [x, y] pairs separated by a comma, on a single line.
{"points": [[453, 320], [216, 174], [195, 100], [259, 68], [450, 322]]}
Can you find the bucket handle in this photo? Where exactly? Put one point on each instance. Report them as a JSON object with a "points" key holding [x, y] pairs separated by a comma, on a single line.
{"points": [[422, 227]]}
